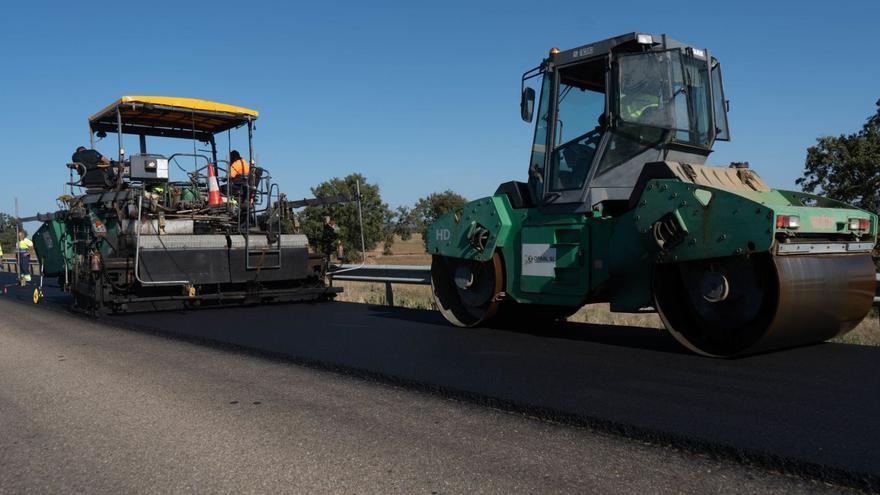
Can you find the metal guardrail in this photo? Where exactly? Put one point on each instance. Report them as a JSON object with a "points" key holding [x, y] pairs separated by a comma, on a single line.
{"points": [[10, 265], [417, 274], [387, 274]]}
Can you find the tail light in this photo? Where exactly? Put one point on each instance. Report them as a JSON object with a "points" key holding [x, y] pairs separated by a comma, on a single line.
{"points": [[859, 224], [788, 221]]}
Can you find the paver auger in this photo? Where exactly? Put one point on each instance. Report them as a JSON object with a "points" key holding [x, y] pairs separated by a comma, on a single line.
{"points": [[619, 207]]}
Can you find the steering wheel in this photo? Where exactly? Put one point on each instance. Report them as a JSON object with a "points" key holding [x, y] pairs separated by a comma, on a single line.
{"points": [[587, 138]]}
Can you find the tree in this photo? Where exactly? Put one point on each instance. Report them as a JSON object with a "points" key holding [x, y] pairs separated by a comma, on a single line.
{"points": [[7, 233], [396, 223], [847, 167], [346, 214], [403, 223], [432, 207]]}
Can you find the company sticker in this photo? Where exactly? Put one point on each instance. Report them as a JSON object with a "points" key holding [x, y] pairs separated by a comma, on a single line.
{"points": [[538, 260]]}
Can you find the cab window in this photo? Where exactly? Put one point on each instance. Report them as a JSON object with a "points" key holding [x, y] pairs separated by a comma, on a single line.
{"points": [[579, 124], [720, 104]]}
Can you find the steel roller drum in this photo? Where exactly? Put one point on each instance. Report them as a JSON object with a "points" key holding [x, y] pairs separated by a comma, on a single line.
{"points": [[770, 302]]}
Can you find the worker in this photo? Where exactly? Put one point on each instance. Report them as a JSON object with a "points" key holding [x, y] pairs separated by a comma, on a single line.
{"points": [[636, 107], [25, 248], [238, 165], [330, 238], [96, 169]]}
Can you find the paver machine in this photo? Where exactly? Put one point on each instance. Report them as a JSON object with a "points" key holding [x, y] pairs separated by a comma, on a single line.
{"points": [[620, 207], [129, 237]]}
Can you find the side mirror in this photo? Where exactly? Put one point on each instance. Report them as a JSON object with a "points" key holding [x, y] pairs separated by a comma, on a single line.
{"points": [[527, 104]]}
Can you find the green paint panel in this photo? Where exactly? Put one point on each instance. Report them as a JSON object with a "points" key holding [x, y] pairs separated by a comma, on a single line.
{"points": [[574, 259], [53, 246]]}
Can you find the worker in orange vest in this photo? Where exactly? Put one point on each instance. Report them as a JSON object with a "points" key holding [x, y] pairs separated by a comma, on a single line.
{"points": [[238, 165]]}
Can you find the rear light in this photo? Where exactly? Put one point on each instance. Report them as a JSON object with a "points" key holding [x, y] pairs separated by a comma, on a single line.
{"points": [[859, 224], [788, 221]]}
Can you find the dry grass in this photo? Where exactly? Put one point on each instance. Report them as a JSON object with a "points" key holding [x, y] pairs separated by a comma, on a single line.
{"points": [[406, 296], [412, 252], [867, 333]]}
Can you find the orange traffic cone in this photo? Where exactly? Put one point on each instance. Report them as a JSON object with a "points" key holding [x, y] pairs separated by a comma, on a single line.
{"points": [[214, 198]]}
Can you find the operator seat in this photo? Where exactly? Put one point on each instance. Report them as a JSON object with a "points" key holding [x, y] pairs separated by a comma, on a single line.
{"points": [[578, 157]]}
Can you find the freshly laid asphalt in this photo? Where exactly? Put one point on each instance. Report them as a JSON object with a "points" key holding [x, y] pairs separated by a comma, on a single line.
{"points": [[812, 410], [90, 408]]}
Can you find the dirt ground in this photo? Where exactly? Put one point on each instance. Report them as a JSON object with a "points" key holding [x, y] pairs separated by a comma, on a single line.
{"points": [[412, 252]]}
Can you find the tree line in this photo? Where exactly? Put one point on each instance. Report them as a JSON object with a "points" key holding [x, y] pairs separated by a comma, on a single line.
{"points": [[381, 223]]}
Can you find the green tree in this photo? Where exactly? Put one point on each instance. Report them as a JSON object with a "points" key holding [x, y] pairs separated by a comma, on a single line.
{"points": [[346, 214], [403, 223], [397, 223], [847, 167], [432, 207], [7, 233]]}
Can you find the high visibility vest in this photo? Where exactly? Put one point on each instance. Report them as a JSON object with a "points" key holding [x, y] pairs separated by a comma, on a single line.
{"points": [[635, 106], [239, 167], [24, 246]]}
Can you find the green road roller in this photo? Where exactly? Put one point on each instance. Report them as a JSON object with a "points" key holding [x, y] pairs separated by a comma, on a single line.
{"points": [[620, 208]]}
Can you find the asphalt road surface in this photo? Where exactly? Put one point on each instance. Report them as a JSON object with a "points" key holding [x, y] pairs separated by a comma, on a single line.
{"points": [[810, 411], [89, 408]]}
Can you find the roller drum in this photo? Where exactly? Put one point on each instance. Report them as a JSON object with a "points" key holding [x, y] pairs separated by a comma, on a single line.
{"points": [[821, 297], [736, 306]]}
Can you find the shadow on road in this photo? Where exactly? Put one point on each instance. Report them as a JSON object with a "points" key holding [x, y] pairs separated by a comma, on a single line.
{"points": [[615, 335]]}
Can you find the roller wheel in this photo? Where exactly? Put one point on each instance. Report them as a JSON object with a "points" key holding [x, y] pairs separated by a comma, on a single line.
{"points": [[466, 291], [732, 306]]}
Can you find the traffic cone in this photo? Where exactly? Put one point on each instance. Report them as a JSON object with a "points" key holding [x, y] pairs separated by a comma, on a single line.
{"points": [[214, 197]]}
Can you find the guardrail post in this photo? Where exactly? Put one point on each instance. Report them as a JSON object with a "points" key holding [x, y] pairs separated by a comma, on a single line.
{"points": [[877, 294], [389, 294]]}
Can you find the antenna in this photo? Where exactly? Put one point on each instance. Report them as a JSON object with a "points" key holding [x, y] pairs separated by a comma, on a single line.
{"points": [[16, 245]]}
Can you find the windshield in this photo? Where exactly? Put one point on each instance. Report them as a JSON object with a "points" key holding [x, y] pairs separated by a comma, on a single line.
{"points": [[668, 90]]}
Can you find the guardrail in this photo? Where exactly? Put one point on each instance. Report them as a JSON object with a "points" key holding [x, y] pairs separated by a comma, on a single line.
{"points": [[418, 275], [387, 274], [10, 265]]}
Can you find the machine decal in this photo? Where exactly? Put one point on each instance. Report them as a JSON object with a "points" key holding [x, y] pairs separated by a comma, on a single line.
{"points": [[538, 260], [822, 222], [443, 234]]}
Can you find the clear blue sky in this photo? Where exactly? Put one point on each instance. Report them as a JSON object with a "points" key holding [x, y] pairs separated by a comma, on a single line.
{"points": [[417, 96]]}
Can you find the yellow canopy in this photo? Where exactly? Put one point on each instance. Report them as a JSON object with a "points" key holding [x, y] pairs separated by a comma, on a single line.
{"points": [[170, 116]]}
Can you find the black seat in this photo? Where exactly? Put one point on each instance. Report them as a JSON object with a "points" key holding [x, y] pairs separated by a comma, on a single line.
{"points": [[517, 193], [94, 172], [578, 157]]}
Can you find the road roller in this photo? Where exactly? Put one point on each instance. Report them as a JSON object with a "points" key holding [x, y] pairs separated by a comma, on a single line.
{"points": [[620, 207], [174, 226]]}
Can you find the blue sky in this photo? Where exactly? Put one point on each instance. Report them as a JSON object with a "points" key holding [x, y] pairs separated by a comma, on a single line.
{"points": [[417, 96]]}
